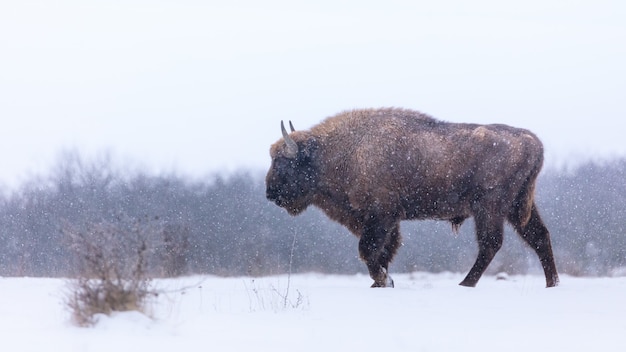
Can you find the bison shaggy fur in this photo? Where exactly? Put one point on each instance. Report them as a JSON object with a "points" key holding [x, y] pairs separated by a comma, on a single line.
{"points": [[370, 169]]}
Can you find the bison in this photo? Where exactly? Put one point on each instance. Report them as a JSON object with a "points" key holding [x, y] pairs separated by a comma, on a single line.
{"points": [[369, 169]]}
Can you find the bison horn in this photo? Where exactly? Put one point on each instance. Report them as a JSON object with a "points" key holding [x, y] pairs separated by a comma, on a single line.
{"points": [[292, 147], [291, 126]]}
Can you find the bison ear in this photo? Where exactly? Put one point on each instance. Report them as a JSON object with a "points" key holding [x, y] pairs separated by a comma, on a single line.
{"points": [[309, 147]]}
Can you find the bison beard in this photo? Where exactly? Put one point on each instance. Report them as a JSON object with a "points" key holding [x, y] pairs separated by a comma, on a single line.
{"points": [[371, 169]]}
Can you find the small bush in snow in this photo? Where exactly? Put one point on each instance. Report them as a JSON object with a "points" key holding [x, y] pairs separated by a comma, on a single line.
{"points": [[111, 261]]}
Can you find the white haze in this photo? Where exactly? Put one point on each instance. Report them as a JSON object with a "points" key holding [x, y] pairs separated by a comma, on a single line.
{"points": [[200, 86]]}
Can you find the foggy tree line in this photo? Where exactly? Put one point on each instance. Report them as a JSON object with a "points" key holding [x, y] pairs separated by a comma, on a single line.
{"points": [[223, 225]]}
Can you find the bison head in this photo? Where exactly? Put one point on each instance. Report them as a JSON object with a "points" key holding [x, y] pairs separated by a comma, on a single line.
{"points": [[292, 178]]}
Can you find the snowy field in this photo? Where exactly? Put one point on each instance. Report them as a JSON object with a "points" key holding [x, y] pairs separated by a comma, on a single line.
{"points": [[425, 312]]}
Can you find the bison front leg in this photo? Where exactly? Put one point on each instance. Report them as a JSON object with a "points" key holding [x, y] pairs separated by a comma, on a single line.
{"points": [[377, 246]]}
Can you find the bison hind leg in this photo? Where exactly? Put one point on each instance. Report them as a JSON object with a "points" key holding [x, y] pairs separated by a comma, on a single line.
{"points": [[537, 236], [489, 233]]}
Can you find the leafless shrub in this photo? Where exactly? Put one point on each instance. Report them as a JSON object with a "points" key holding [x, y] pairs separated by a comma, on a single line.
{"points": [[111, 259], [269, 297]]}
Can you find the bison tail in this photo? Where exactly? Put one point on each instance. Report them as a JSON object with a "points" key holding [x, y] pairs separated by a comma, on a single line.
{"points": [[525, 204], [525, 200]]}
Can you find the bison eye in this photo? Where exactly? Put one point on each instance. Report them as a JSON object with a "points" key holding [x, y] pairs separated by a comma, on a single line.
{"points": [[281, 163], [285, 165]]}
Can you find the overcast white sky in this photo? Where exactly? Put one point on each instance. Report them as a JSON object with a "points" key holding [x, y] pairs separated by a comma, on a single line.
{"points": [[201, 86]]}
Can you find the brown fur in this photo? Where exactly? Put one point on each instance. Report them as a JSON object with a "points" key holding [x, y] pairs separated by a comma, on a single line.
{"points": [[370, 169]]}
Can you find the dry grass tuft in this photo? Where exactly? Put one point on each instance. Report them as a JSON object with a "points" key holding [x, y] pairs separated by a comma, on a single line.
{"points": [[111, 262]]}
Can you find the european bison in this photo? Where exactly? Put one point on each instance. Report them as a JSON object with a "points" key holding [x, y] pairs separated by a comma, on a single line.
{"points": [[369, 169]]}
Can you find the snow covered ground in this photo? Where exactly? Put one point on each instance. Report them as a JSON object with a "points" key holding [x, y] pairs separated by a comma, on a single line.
{"points": [[425, 312]]}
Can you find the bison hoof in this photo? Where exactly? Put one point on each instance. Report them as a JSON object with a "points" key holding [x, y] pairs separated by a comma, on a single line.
{"points": [[468, 283], [553, 282], [387, 283]]}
